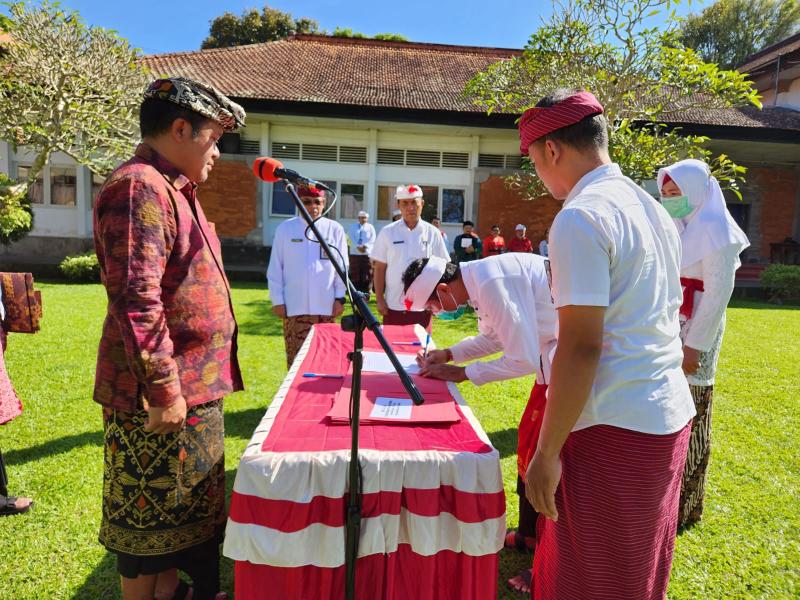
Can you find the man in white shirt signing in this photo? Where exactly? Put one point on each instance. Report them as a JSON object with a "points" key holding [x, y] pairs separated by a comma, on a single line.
{"points": [[511, 296], [362, 239], [397, 245], [607, 468], [303, 285]]}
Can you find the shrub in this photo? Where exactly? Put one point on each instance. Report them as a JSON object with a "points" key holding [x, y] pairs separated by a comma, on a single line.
{"points": [[83, 267], [782, 281]]}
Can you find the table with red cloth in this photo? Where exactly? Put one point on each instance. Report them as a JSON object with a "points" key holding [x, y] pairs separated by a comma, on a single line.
{"points": [[433, 510]]}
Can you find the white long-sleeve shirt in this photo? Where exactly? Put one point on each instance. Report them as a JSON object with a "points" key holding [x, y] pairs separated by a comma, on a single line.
{"points": [[299, 274], [361, 235], [511, 295], [717, 271]]}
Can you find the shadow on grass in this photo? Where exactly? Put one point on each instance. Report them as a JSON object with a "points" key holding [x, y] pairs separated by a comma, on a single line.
{"points": [[505, 441], [760, 305], [53, 447], [260, 321], [102, 583], [243, 423]]}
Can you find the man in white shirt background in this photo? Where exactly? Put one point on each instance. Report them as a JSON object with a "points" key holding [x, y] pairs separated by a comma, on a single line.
{"points": [[399, 243], [608, 464], [436, 222], [303, 285], [362, 239]]}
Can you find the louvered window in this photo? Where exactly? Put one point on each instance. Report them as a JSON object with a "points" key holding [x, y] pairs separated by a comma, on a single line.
{"points": [[285, 150], [352, 154], [391, 156], [423, 158], [319, 152], [491, 160], [455, 160], [513, 161], [249, 146]]}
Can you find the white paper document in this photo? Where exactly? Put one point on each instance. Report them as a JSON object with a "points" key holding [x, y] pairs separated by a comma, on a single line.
{"points": [[378, 362], [391, 408], [466, 242]]}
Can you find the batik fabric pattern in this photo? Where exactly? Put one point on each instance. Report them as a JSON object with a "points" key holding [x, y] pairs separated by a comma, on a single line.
{"points": [[693, 483], [295, 332], [170, 329], [163, 493]]}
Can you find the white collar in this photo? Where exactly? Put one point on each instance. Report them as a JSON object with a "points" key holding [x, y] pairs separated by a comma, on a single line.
{"points": [[596, 174]]}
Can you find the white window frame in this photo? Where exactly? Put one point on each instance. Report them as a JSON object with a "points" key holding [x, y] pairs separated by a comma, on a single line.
{"points": [[46, 187], [339, 184]]}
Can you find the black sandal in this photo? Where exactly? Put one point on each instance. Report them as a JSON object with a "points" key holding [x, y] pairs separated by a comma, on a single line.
{"points": [[8, 506]]}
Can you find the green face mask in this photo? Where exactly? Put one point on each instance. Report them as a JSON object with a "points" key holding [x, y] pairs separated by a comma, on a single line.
{"points": [[677, 207]]}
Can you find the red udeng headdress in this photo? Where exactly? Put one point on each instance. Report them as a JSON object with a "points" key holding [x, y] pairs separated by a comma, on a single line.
{"points": [[537, 122]]}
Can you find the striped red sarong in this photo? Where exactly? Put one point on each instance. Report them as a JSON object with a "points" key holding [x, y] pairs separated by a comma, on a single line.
{"points": [[617, 517]]}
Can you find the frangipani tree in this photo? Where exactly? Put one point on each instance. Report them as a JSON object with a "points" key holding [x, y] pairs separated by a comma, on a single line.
{"points": [[640, 73], [65, 87]]}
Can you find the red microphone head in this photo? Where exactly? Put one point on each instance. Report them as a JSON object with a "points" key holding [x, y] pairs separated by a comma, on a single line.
{"points": [[264, 168]]}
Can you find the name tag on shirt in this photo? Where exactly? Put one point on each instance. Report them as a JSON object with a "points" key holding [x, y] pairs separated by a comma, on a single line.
{"points": [[399, 242], [297, 240]]}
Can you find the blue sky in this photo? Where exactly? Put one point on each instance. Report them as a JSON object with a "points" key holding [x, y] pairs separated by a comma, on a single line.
{"points": [[158, 26]]}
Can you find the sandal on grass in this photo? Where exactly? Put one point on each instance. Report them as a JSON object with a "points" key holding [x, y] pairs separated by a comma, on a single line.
{"points": [[522, 583], [516, 541], [8, 506]]}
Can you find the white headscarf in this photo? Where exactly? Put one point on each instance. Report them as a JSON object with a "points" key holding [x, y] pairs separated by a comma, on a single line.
{"points": [[709, 227]]}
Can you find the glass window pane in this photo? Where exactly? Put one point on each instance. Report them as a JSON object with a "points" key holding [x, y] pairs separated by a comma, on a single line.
{"points": [[36, 191], [63, 186], [282, 203], [386, 202], [97, 183], [452, 206], [430, 209], [351, 200]]}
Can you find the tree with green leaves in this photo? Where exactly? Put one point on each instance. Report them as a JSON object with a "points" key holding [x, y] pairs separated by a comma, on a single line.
{"points": [[255, 26], [729, 31], [348, 32], [66, 87], [620, 51]]}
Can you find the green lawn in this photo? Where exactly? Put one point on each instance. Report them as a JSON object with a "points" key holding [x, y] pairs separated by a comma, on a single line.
{"points": [[748, 545]]}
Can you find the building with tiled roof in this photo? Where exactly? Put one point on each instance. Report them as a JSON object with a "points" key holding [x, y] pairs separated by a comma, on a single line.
{"points": [[366, 115]]}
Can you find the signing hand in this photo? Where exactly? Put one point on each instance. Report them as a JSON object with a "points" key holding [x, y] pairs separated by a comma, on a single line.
{"points": [[444, 372], [166, 419], [435, 357], [541, 482], [279, 310], [691, 360]]}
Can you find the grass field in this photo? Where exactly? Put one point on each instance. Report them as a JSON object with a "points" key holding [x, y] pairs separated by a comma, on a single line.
{"points": [[747, 546]]}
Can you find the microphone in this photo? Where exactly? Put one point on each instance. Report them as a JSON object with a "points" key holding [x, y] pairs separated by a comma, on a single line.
{"points": [[271, 170]]}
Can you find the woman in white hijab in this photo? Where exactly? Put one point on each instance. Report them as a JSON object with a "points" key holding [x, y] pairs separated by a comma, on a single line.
{"points": [[712, 242]]}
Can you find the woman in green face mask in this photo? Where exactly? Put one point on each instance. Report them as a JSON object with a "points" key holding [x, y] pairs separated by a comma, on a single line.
{"points": [[711, 242]]}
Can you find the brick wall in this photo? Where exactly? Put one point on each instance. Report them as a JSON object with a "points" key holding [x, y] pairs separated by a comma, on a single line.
{"points": [[229, 198], [502, 206], [778, 189]]}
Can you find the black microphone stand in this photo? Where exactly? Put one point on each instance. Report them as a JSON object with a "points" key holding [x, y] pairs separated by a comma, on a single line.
{"points": [[362, 318]]}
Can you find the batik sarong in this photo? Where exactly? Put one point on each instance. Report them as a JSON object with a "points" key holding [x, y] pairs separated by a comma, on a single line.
{"points": [[163, 493]]}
